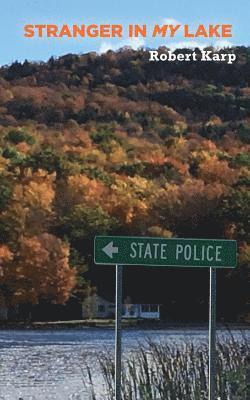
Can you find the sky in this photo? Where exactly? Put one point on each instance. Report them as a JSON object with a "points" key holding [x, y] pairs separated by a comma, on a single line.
{"points": [[17, 13]]}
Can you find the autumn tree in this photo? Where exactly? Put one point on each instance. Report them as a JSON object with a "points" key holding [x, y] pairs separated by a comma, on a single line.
{"points": [[39, 269]]}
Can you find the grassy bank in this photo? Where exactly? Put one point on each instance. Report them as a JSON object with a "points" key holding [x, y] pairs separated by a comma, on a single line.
{"points": [[158, 371]]}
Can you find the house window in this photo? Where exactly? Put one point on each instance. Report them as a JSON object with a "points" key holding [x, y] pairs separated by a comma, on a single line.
{"points": [[147, 308], [101, 308], [132, 310]]}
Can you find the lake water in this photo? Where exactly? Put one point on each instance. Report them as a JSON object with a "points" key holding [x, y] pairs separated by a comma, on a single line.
{"points": [[51, 365]]}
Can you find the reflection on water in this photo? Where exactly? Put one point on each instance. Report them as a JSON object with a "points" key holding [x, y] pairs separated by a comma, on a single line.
{"points": [[50, 365]]}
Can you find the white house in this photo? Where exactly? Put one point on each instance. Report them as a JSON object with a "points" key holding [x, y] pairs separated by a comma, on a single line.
{"points": [[144, 311], [98, 307]]}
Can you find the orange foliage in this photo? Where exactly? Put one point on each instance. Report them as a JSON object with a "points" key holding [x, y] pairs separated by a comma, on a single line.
{"points": [[81, 189], [188, 202], [30, 206], [178, 165], [212, 170], [40, 269], [5, 254]]}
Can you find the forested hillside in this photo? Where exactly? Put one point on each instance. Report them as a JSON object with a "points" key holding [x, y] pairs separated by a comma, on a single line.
{"points": [[113, 144]]}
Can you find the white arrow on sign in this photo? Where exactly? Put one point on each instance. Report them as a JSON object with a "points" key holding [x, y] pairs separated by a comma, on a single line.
{"points": [[109, 249]]}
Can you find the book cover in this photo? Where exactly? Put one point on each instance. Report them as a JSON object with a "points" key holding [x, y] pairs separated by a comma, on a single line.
{"points": [[124, 200]]}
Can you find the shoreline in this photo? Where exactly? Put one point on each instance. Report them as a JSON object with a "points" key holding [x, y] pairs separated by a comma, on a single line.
{"points": [[109, 324]]}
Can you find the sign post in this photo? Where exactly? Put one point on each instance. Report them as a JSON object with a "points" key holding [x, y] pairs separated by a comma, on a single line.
{"points": [[118, 332], [212, 336], [175, 252]]}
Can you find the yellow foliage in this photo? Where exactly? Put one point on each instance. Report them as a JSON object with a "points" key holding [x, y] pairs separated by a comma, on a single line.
{"points": [[38, 193], [3, 163], [118, 155], [159, 231], [128, 198], [244, 255], [94, 156]]}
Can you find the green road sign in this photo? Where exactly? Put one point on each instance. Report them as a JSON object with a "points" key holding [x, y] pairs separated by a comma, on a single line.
{"points": [[127, 250]]}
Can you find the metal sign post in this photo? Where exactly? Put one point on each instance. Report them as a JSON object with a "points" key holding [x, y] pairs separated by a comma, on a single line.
{"points": [[212, 336], [118, 332]]}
